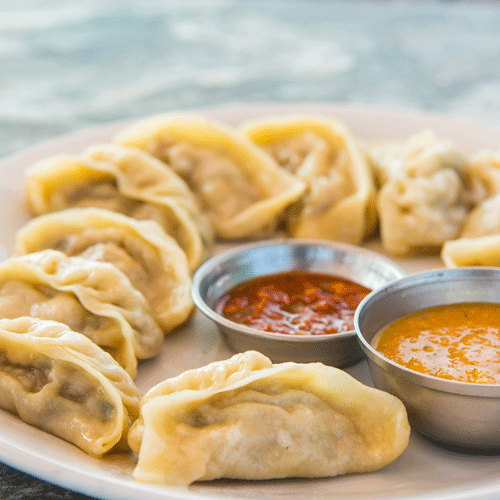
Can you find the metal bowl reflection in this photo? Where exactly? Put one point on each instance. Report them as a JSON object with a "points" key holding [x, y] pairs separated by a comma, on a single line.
{"points": [[454, 414], [224, 271]]}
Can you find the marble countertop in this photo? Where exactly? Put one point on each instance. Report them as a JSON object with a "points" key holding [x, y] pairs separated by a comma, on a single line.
{"points": [[65, 67], [69, 66]]}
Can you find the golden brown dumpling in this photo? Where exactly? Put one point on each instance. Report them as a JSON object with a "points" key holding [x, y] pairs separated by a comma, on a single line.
{"points": [[240, 188], [152, 260], [340, 201]]}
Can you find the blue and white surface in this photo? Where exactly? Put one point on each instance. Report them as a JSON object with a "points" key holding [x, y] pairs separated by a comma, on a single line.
{"points": [[70, 65]]}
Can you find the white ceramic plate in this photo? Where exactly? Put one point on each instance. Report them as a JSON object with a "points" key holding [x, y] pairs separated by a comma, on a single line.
{"points": [[424, 471]]}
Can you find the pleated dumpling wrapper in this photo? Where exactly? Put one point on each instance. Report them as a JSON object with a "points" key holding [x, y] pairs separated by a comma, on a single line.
{"points": [[424, 197], [92, 298], [246, 418], [125, 180], [479, 241], [152, 260], [60, 381], [484, 218], [483, 172], [340, 202], [241, 189], [477, 251]]}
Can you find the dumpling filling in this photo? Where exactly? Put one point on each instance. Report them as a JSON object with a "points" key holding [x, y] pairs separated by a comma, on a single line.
{"points": [[56, 397], [222, 187], [32, 378]]}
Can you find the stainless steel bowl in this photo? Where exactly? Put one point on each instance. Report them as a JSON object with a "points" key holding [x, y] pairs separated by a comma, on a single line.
{"points": [[224, 271], [456, 414]]}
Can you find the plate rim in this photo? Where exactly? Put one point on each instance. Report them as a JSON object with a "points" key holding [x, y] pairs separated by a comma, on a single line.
{"points": [[55, 472]]}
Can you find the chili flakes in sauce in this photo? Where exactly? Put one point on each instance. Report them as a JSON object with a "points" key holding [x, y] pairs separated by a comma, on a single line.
{"points": [[294, 303]]}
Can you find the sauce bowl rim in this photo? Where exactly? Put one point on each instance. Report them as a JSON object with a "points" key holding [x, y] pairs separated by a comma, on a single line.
{"points": [[413, 376], [226, 255]]}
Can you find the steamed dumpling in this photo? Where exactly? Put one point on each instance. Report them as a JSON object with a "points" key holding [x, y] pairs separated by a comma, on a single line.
{"points": [[152, 260], [246, 418], [61, 382], [484, 218], [340, 201], [92, 298], [125, 180], [424, 198], [479, 241], [420, 155], [476, 251], [240, 188]]}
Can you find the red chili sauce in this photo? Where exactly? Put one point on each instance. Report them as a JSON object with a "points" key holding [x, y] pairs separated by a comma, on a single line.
{"points": [[294, 303]]}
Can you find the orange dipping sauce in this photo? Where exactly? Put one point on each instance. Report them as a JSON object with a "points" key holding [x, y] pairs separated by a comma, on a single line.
{"points": [[456, 342], [294, 303]]}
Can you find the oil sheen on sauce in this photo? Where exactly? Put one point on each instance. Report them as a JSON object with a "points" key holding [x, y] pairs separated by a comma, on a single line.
{"points": [[456, 342], [294, 303]]}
